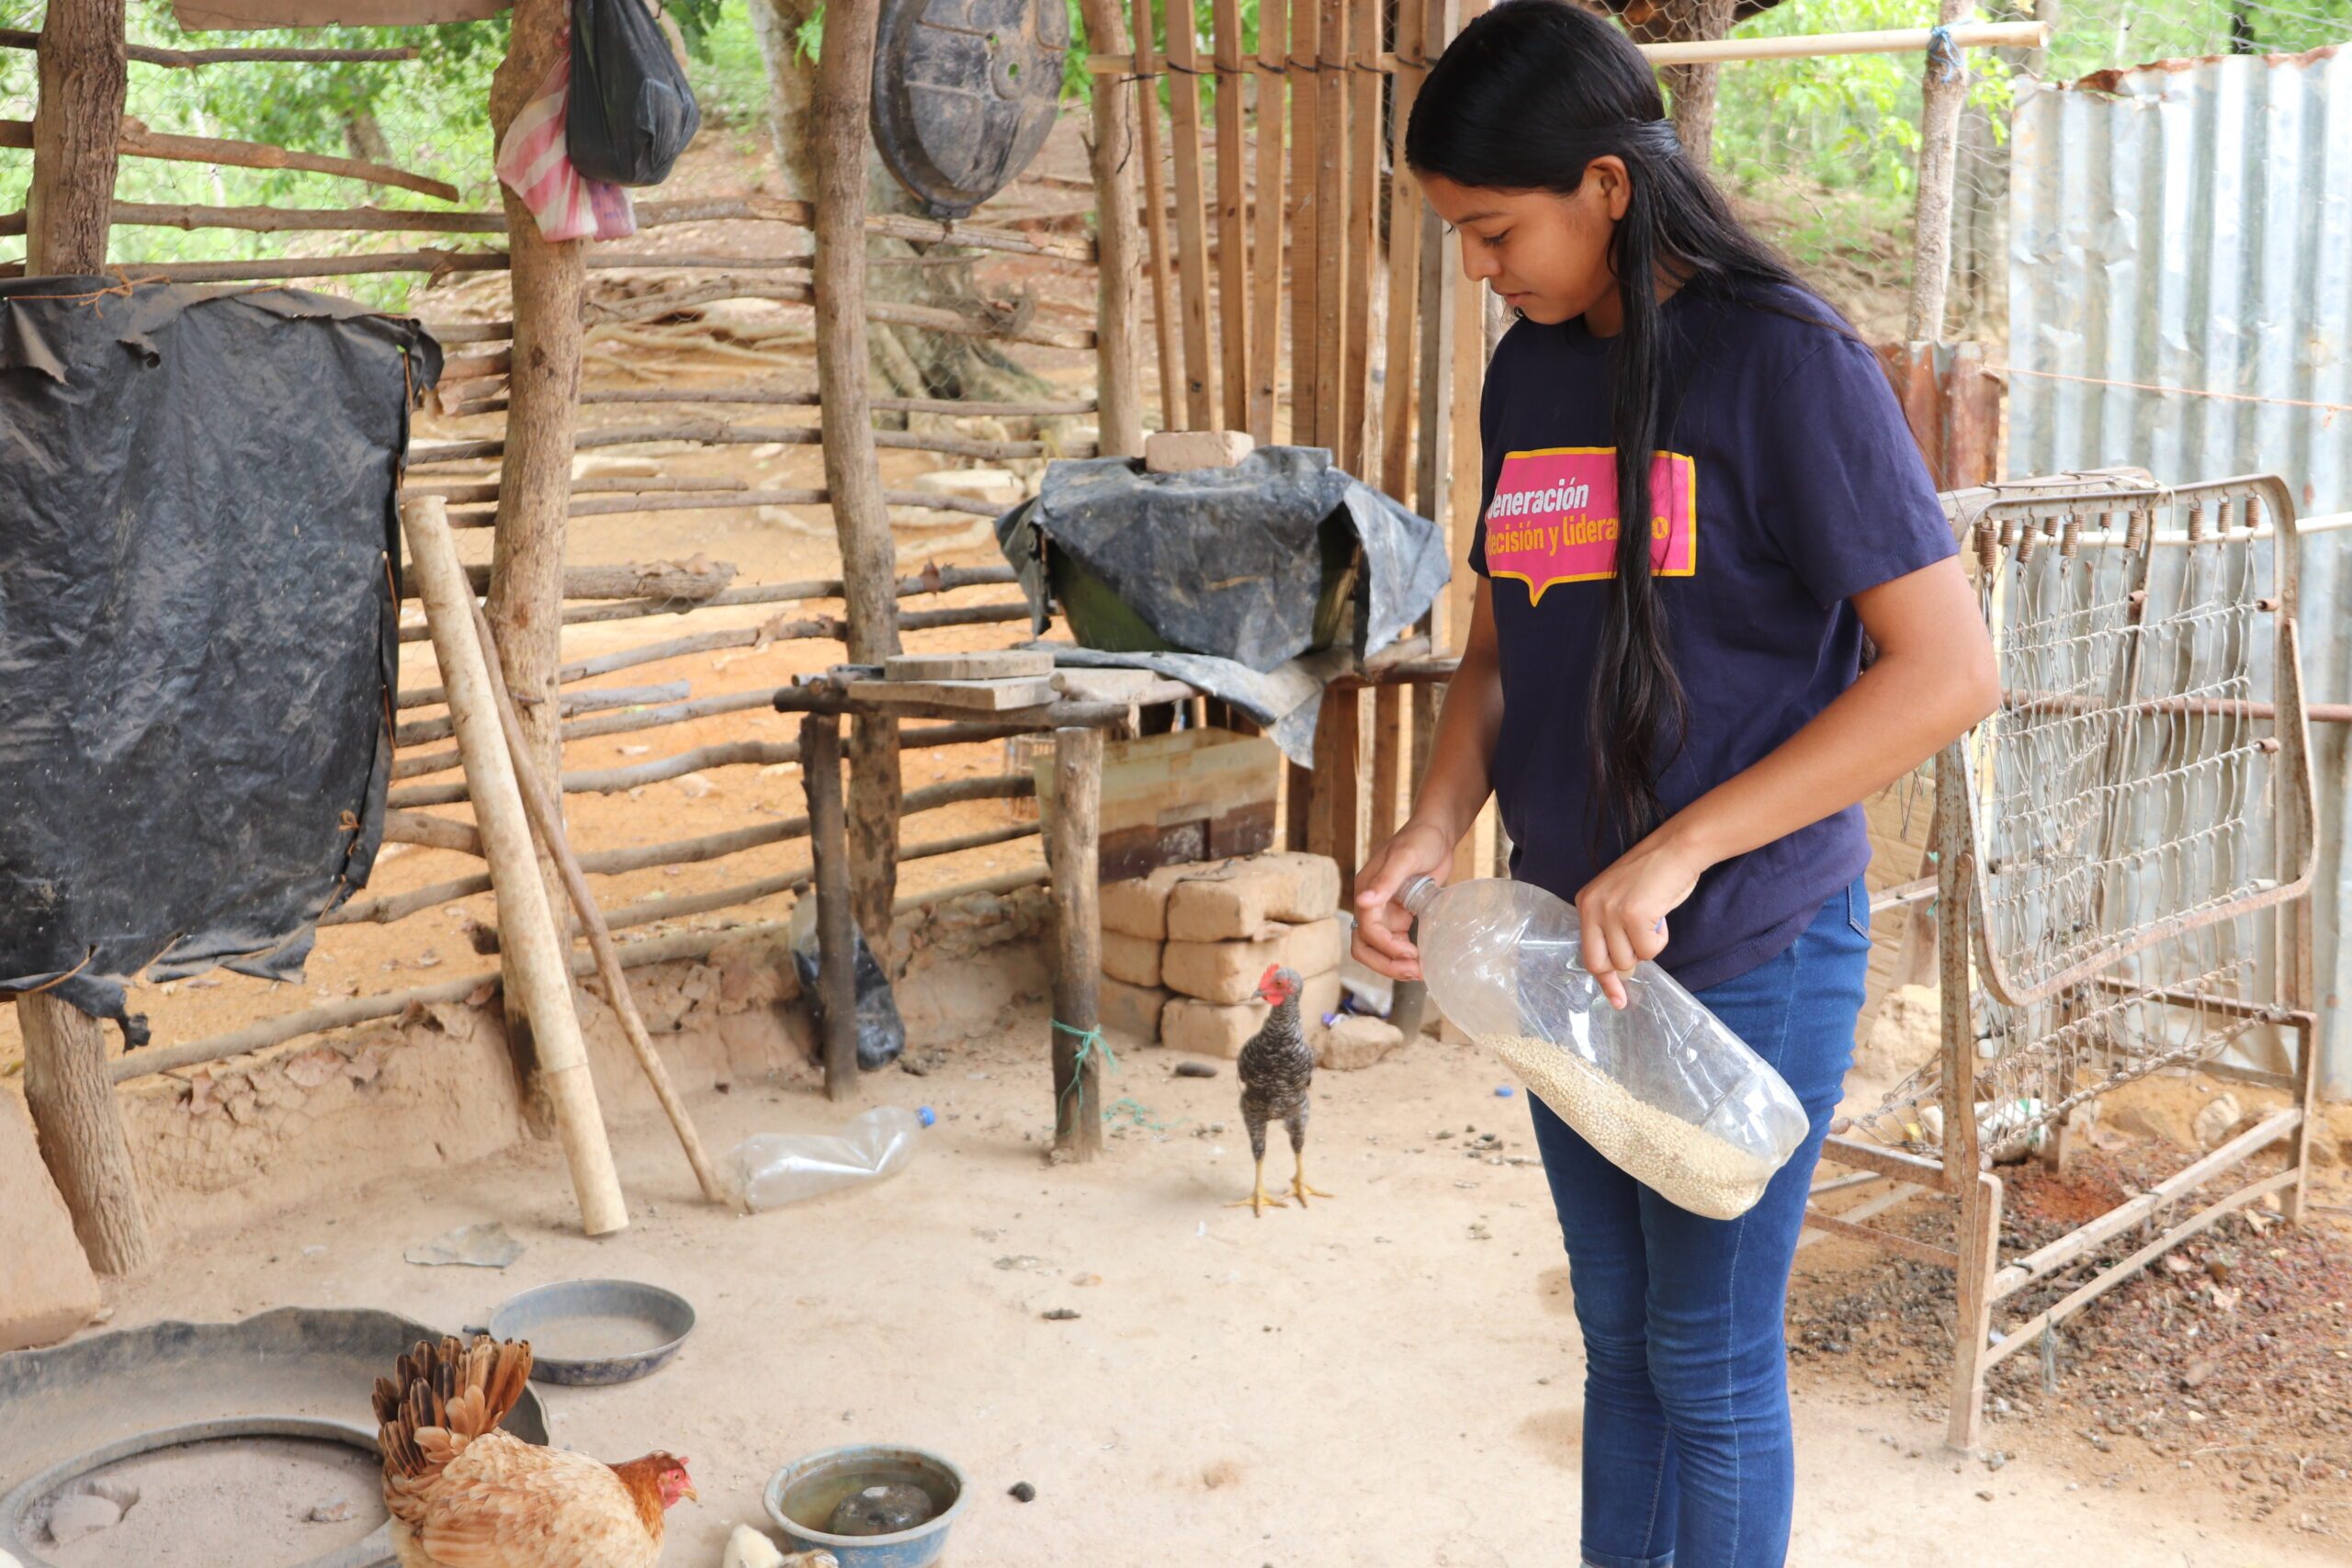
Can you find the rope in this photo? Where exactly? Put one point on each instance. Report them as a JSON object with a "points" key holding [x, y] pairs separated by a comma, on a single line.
{"points": [[1090, 1043], [2179, 391], [1944, 54]]}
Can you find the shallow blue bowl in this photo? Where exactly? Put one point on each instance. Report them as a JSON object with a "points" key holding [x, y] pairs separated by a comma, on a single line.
{"points": [[802, 1497]]}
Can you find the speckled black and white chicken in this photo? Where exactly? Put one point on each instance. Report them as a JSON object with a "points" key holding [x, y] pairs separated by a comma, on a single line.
{"points": [[1277, 1068]]}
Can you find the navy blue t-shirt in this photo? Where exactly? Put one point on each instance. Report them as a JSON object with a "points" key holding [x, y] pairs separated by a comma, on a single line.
{"points": [[1785, 483]]}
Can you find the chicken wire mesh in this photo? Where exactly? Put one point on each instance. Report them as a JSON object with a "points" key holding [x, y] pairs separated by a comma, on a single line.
{"points": [[2123, 803]]}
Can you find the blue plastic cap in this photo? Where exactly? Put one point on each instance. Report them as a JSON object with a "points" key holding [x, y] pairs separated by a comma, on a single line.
{"points": [[1503, 1091], [927, 1116]]}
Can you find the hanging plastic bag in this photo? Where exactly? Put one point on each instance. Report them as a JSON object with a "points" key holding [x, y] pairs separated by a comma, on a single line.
{"points": [[775, 1168], [881, 1033], [634, 112], [535, 164]]}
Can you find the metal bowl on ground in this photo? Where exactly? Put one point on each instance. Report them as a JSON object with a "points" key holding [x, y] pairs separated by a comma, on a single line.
{"points": [[167, 1391], [801, 1498], [593, 1333]]}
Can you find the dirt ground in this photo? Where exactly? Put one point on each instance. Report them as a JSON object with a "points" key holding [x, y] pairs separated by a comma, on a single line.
{"points": [[1233, 1389]]}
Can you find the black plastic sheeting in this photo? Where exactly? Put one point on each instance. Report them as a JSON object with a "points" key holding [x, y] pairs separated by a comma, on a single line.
{"points": [[631, 110], [198, 623], [1228, 561]]}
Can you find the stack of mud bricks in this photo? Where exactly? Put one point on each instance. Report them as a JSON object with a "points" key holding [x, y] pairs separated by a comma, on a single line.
{"points": [[1184, 948]]}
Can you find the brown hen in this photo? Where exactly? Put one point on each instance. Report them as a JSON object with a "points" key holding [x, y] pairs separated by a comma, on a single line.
{"points": [[463, 1494]]}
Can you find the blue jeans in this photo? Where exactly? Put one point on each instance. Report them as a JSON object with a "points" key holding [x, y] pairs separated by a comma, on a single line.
{"points": [[1688, 1455]]}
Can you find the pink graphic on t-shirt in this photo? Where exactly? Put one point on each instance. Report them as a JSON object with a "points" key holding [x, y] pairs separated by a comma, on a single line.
{"points": [[1553, 518]]}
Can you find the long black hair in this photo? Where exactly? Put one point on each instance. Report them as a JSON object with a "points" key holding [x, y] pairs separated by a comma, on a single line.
{"points": [[1524, 98]]}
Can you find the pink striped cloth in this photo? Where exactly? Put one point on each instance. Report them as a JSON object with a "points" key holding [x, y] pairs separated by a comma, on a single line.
{"points": [[535, 165]]}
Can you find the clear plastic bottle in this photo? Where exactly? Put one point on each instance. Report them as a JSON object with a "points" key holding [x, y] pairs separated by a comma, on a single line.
{"points": [[1663, 1089], [775, 1168]]}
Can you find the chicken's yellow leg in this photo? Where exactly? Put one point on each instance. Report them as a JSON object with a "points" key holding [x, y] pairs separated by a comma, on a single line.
{"points": [[1259, 1197], [1298, 1187]]}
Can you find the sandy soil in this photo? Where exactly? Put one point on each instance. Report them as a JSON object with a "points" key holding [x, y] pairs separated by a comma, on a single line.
{"points": [[1235, 1391]]}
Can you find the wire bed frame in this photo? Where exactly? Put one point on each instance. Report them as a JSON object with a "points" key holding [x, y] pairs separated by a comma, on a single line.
{"points": [[2114, 839]]}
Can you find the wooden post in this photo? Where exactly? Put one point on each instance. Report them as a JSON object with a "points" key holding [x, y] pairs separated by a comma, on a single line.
{"points": [[853, 476], [1118, 317], [1073, 856], [1387, 759], [525, 596], [1232, 217], [1331, 223], [1191, 220], [1361, 50], [1339, 738], [1306, 213], [820, 771], [1155, 194], [1944, 91], [72, 1100], [536, 953], [1266, 256], [547, 824], [78, 124]]}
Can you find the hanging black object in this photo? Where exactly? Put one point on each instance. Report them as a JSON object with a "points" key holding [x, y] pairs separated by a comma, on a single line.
{"points": [[964, 93], [631, 111], [198, 623]]}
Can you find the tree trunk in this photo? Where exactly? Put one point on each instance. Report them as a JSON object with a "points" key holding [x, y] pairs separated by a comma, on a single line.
{"points": [[76, 124], [1691, 89], [836, 142], [526, 600], [74, 1109], [907, 361]]}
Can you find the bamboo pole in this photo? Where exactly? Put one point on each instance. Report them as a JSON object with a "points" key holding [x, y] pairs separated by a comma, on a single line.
{"points": [[1191, 221], [535, 954], [80, 1129], [1364, 85], [183, 59], [1073, 855], [669, 948], [1232, 225], [1266, 320], [1154, 181], [1332, 222], [1118, 322], [138, 142], [836, 996], [1400, 383], [546, 821], [1728, 51]]}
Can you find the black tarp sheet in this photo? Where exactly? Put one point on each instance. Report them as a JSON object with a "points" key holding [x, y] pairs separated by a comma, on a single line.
{"points": [[198, 623], [1227, 561]]}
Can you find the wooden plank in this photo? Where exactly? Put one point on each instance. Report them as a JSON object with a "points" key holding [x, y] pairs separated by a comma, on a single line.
{"points": [[249, 16], [1072, 852], [1400, 386], [1232, 223], [1305, 209], [1185, 775], [1155, 197], [1331, 221], [982, 696], [1364, 94], [1266, 258], [1192, 217], [1332, 823], [1388, 759], [1002, 665], [1118, 316]]}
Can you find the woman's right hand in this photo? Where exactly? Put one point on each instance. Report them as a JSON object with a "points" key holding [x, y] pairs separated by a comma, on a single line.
{"points": [[1383, 931]]}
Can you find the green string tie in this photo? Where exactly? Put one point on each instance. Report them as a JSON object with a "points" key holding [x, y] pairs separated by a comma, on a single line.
{"points": [[1090, 1043]]}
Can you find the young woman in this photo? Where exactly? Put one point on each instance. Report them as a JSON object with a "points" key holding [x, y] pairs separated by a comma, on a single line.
{"points": [[1673, 716]]}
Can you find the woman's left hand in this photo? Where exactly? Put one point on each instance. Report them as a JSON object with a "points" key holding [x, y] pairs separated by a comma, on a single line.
{"points": [[1624, 910]]}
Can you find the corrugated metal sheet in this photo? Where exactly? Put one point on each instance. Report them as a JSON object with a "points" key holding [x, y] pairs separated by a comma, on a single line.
{"points": [[2189, 226]]}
